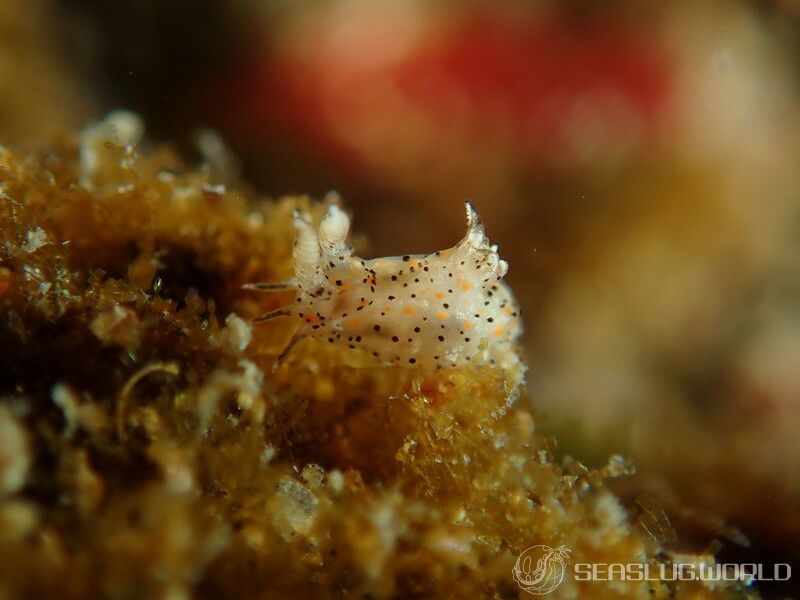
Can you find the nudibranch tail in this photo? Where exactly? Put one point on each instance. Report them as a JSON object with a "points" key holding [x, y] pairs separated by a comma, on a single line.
{"points": [[476, 234], [476, 243]]}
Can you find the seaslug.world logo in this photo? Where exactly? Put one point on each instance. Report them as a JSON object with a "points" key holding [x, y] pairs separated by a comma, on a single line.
{"points": [[540, 569]]}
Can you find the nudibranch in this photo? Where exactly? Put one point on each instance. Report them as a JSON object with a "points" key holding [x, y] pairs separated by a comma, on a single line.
{"points": [[445, 309]]}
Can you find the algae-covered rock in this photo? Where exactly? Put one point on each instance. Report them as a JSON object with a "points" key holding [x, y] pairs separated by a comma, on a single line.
{"points": [[150, 449]]}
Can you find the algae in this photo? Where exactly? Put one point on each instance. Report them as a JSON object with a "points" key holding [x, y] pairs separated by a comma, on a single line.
{"points": [[149, 450]]}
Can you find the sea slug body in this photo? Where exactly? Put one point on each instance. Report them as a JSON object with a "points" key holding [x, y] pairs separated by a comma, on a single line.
{"points": [[445, 309]]}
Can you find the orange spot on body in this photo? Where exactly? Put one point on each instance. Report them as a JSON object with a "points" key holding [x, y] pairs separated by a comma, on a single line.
{"points": [[409, 310], [442, 316], [464, 285], [466, 325], [508, 310], [355, 322], [440, 295], [498, 331]]}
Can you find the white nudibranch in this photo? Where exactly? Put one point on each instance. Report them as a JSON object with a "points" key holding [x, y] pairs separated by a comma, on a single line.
{"points": [[439, 310]]}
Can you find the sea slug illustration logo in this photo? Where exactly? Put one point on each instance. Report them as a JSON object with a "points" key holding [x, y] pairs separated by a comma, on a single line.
{"points": [[540, 569]]}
